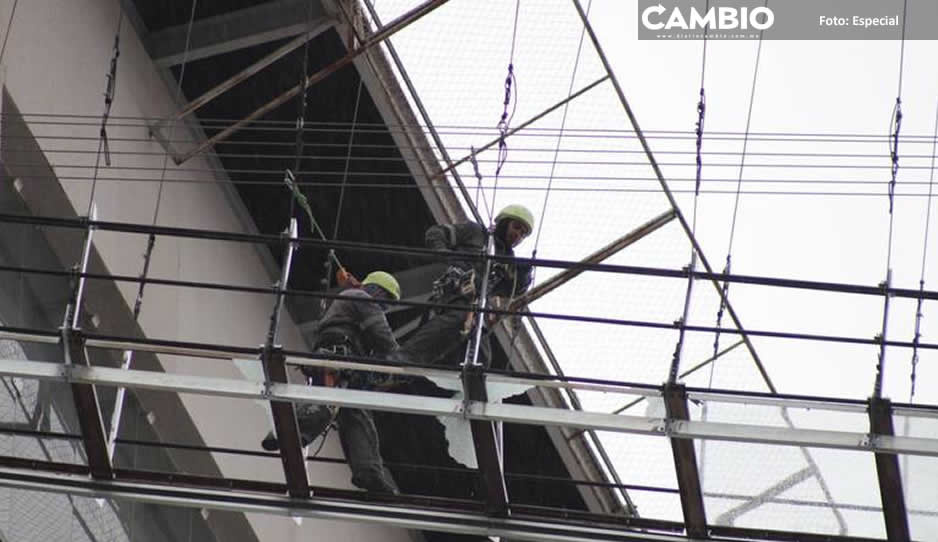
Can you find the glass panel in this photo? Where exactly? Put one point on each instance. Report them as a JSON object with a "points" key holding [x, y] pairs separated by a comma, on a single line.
{"points": [[815, 490], [918, 477], [645, 460], [32, 406]]}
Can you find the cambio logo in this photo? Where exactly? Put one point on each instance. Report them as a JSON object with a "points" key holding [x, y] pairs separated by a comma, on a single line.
{"points": [[716, 18]]}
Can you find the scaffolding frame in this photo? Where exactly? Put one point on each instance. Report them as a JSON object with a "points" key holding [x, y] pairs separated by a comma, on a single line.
{"points": [[676, 426]]}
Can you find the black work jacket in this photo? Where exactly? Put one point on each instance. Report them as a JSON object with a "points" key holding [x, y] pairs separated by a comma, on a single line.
{"points": [[506, 279]]}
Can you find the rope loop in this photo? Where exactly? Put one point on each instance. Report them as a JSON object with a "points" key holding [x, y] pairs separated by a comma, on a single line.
{"points": [[894, 149]]}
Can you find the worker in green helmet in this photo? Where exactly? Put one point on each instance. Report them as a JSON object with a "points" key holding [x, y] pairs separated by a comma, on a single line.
{"points": [[353, 325], [437, 341]]}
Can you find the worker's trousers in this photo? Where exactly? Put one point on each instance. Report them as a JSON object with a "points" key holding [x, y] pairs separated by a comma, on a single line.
{"points": [[442, 341], [358, 436]]}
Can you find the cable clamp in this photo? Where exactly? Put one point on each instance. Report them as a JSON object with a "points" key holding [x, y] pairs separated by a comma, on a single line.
{"points": [[267, 392]]}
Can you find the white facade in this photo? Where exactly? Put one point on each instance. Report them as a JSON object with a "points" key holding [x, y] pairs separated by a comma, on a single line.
{"points": [[55, 62]]}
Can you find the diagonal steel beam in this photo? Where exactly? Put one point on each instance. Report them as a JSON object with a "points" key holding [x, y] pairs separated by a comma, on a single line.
{"points": [[696, 246], [518, 128], [754, 502], [667, 190], [247, 72], [382, 34], [596, 257], [236, 30]]}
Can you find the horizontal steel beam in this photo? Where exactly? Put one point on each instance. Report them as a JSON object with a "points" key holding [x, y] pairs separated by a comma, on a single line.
{"points": [[211, 351], [388, 515], [237, 30], [476, 410], [218, 235]]}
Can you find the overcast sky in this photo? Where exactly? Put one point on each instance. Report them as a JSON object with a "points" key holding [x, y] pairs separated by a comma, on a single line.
{"points": [[844, 90]]}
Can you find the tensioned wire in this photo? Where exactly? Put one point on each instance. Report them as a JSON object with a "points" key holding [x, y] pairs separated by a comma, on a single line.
{"points": [[289, 126], [314, 126], [571, 189], [109, 92], [549, 176], [563, 124], [138, 303]]}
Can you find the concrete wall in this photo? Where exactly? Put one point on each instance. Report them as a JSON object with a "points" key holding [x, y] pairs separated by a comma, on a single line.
{"points": [[55, 61]]}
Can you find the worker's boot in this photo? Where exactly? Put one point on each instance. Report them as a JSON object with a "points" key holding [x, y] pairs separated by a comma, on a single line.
{"points": [[375, 481], [312, 421]]}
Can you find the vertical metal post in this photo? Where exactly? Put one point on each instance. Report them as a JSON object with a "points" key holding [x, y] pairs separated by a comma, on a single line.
{"points": [[72, 314], [281, 287], [887, 470], [679, 347], [285, 425], [484, 433], [472, 352], [118, 409], [685, 465], [85, 396], [881, 363]]}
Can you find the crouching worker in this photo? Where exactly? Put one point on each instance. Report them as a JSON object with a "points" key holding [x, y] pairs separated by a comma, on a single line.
{"points": [[354, 325], [439, 339]]}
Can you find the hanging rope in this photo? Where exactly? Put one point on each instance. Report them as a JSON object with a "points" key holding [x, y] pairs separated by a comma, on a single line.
{"points": [[110, 88], [895, 124], [563, 124], [894, 127], [151, 240], [691, 267], [475, 171], [921, 281], [348, 160], [296, 195], [504, 123], [727, 268]]}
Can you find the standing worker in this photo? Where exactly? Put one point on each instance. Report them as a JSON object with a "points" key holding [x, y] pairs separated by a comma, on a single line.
{"points": [[436, 340], [354, 325]]}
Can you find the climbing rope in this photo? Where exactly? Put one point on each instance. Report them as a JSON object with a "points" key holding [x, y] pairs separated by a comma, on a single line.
{"points": [[921, 281], [691, 267], [296, 195], [301, 112], [475, 170], [727, 268], [560, 133], [151, 240], [348, 160], [895, 124], [110, 89], [504, 123]]}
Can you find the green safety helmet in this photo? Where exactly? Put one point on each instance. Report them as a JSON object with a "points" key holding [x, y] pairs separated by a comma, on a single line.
{"points": [[518, 212], [386, 281]]}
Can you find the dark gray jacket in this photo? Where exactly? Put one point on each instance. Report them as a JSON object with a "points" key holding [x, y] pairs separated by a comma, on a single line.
{"points": [[359, 318]]}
